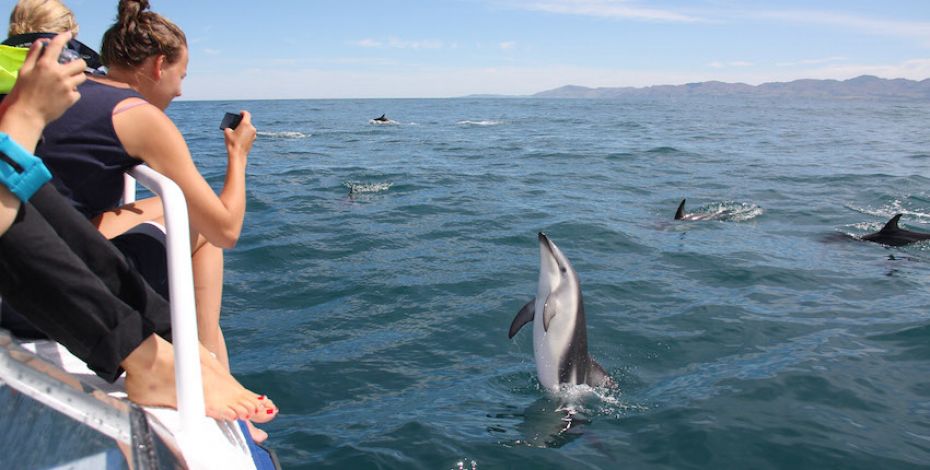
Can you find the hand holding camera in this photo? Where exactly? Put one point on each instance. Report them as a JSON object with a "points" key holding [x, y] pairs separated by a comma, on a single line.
{"points": [[46, 86], [239, 134]]}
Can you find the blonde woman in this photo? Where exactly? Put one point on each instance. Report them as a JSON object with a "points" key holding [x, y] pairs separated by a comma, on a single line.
{"points": [[48, 16]]}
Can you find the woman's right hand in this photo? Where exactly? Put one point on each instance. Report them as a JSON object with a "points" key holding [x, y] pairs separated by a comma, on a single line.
{"points": [[45, 88], [239, 141]]}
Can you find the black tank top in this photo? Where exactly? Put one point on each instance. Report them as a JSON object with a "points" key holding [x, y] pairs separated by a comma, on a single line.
{"points": [[84, 154]]}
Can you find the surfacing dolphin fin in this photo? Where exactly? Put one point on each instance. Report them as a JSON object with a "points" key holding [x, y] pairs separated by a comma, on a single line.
{"points": [[680, 213], [893, 235], [892, 225]]}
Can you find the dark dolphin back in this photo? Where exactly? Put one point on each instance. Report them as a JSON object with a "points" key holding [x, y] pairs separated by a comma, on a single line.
{"points": [[575, 362], [893, 235]]}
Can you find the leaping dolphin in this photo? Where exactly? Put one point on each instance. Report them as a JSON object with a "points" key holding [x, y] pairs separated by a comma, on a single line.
{"points": [[892, 235], [383, 118], [560, 338]]}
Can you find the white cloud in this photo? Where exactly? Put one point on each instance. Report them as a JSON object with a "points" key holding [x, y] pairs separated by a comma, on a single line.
{"points": [[398, 43], [824, 60], [367, 43], [616, 9], [508, 45], [709, 12], [731, 64], [209, 51], [886, 27], [405, 44]]}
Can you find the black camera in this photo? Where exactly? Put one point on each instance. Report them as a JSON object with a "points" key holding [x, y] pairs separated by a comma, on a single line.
{"points": [[230, 120], [67, 55]]}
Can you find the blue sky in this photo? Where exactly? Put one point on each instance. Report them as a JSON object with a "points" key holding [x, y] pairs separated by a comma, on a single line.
{"points": [[248, 49]]}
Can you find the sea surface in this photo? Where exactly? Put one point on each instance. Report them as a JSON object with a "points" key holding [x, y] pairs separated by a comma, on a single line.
{"points": [[380, 267]]}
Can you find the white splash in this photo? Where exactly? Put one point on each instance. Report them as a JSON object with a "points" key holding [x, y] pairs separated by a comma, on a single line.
{"points": [[891, 209], [728, 211], [358, 188], [482, 123], [282, 135]]}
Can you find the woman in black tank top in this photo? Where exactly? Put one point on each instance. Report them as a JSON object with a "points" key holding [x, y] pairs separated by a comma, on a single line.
{"points": [[122, 117]]}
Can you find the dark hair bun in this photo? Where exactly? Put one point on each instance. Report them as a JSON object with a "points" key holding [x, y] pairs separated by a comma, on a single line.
{"points": [[138, 34], [130, 10]]}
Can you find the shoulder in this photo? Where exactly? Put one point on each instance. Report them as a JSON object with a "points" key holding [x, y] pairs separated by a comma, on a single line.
{"points": [[144, 130], [136, 113]]}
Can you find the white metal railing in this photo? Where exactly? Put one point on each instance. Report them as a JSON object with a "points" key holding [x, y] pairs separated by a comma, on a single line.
{"points": [[188, 380]]}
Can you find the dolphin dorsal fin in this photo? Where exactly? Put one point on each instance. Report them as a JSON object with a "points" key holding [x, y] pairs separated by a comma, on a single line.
{"points": [[680, 213], [892, 224]]}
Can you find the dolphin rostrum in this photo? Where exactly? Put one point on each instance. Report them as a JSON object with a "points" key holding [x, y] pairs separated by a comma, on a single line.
{"points": [[560, 338], [892, 235]]}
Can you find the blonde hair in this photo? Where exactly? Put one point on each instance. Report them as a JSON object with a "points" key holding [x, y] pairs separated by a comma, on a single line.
{"points": [[41, 16]]}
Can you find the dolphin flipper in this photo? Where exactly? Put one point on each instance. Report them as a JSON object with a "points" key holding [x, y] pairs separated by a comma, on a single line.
{"points": [[549, 312], [680, 213], [524, 316], [597, 376]]}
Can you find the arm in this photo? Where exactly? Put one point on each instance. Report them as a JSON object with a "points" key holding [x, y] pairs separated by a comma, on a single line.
{"points": [[148, 134]]}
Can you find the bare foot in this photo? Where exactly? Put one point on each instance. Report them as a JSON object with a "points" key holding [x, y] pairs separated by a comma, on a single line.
{"points": [[258, 435], [267, 412], [150, 381]]}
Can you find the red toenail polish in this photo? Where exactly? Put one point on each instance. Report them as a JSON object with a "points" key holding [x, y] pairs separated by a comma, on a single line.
{"points": [[261, 397], [271, 412]]}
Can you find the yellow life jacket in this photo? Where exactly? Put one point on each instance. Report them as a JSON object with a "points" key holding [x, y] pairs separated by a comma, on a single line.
{"points": [[11, 60]]}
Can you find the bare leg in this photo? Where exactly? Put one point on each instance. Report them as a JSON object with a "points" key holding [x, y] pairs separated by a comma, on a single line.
{"points": [[208, 294], [118, 221], [207, 264]]}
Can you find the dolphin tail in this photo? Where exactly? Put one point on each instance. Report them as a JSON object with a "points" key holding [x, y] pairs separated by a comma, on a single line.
{"points": [[680, 213], [597, 376], [524, 316], [892, 225]]}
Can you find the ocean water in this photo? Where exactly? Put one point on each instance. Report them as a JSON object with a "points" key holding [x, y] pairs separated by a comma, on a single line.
{"points": [[380, 267]]}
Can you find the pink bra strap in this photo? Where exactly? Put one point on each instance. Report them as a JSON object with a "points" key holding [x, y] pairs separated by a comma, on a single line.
{"points": [[128, 106]]}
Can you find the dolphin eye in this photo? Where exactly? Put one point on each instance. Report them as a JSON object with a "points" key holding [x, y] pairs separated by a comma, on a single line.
{"points": [[563, 270]]}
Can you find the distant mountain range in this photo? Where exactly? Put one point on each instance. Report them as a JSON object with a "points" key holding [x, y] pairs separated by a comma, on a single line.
{"points": [[865, 86]]}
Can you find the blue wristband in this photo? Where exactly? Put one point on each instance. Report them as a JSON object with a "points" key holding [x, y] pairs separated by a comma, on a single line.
{"points": [[20, 171]]}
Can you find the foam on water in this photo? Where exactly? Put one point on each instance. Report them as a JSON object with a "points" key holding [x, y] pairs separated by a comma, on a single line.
{"points": [[893, 208], [282, 134], [480, 123], [731, 211], [356, 187]]}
